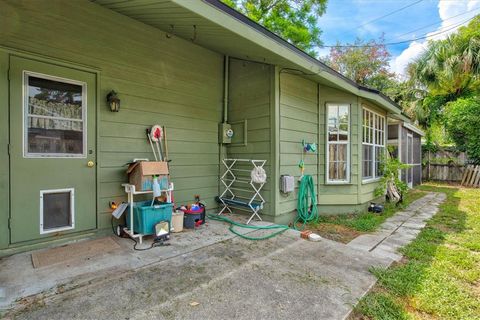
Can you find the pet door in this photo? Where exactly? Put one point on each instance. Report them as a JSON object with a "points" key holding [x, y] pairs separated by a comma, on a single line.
{"points": [[56, 210]]}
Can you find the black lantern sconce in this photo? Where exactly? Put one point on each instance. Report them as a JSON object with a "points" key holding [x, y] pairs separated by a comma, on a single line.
{"points": [[113, 101]]}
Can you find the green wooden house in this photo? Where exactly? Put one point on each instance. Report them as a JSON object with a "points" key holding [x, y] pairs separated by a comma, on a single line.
{"points": [[188, 65]]}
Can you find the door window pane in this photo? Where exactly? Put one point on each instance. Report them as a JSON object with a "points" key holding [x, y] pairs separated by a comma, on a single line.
{"points": [[54, 118]]}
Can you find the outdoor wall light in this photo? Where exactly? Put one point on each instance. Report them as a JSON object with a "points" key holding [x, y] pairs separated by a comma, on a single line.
{"points": [[113, 101]]}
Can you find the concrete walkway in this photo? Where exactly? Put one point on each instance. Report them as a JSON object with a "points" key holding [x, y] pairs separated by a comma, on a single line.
{"points": [[285, 277], [400, 229], [211, 274]]}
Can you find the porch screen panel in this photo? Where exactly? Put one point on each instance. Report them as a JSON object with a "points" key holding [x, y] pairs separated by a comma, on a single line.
{"points": [[54, 115], [338, 144]]}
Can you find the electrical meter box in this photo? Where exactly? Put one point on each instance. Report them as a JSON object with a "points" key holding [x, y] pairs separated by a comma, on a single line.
{"points": [[225, 133]]}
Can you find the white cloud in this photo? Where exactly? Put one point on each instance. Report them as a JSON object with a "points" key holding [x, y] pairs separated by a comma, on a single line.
{"points": [[399, 63], [323, 52], [448, 11]]}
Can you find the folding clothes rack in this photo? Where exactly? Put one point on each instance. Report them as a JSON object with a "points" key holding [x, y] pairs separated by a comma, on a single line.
{"points": [[235, 195]]}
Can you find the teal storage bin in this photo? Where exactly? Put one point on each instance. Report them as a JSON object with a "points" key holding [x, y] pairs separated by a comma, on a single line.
{"points": [[145, 217]]}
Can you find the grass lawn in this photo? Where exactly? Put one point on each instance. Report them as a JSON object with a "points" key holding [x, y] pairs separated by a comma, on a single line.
{"points": [[344, 228], [439, 277]]}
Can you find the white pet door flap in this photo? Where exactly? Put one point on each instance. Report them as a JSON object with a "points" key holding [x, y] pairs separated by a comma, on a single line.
{"points": [[56, 210]]}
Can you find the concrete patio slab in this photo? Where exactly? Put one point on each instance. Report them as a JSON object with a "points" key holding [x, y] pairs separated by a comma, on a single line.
{"points": [[283, 277], [210, 273], [19, 278], [386, 254]]}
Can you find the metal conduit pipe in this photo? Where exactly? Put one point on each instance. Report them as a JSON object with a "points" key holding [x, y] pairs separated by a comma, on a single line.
{"points": [[222, 148], [225, 88]]}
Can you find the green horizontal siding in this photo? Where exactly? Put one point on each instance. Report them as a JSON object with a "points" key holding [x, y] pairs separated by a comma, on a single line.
{"points": [[298, 121], [249, 99], [161, 80], [178, 84]]}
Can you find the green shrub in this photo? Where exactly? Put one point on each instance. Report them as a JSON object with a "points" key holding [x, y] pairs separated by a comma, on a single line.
{"points": [[390, 168], [463, 125]]}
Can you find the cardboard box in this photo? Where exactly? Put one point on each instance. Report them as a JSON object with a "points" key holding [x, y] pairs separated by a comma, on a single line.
{"points": [[141, 173]]}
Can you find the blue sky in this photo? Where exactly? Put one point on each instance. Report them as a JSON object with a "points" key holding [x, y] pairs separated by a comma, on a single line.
{"points": [[347, 19]]}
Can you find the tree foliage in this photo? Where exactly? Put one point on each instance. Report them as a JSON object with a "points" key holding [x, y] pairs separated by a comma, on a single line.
{"points": [[463, 124], [293, 20], [366, 63], [451, 66], [444, 78]]}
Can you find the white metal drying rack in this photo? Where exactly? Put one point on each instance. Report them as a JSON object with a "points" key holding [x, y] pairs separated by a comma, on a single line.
{"points": [[130, 190], [255, 202]]}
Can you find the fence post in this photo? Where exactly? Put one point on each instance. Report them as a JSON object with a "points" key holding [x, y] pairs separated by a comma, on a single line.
{"points": [[428, 166]]}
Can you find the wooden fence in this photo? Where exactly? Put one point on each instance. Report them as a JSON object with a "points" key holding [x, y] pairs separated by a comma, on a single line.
{"points": [[444, 165], [471, 176], [443, 172]]}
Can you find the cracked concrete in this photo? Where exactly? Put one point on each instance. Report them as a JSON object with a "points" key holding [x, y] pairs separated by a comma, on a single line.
{"points": [[400, 229], [212, 274], [283, 277]]}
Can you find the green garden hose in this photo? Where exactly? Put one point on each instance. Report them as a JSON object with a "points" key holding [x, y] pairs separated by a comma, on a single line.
{"points": [[234, 224], [307, 210], [306, 207]]}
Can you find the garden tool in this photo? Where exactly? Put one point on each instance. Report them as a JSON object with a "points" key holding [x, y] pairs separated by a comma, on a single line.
{"points": [[151, 144], [156, 134], [166, 144]]}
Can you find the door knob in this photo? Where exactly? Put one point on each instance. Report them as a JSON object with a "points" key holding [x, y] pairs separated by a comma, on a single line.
{"points": [[90, 164]]}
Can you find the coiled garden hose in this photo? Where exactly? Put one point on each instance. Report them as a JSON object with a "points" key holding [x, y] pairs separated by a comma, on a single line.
{"points": [[306, 207], [233, 224], [307, 210]]}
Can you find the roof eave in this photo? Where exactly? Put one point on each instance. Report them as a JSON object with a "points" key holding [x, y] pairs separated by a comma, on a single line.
{"points": [[244, 27]]}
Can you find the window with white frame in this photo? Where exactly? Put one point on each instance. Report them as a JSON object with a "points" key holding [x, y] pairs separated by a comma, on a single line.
{"points": [[54, 113], [373, 144], [338, 143]]}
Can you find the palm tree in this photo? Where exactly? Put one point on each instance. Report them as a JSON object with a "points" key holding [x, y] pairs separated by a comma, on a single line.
{"points": [[450, 66], [445, 71]]}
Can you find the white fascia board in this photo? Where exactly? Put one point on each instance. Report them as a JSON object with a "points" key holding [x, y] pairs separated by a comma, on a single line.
{"points": [[414, 128]]}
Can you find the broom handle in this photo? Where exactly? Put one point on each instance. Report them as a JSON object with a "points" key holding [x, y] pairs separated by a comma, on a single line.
{"points": [[151, 145], [159, 152], [166, 144]]}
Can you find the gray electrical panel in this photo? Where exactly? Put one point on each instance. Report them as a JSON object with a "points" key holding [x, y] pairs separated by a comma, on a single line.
{"points": [[287, 183], [225, 133]]}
